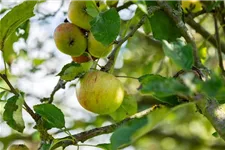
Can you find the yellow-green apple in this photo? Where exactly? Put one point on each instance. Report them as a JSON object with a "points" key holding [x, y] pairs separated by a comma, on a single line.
{"points": [[70, 40], [18, 147], [96, 48], [192, 5], [100, 92], [77, 13]]}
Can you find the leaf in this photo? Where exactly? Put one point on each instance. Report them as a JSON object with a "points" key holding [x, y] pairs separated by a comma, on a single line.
{"points": [[106, 26], [13, 113], [51, 114], [72, 70], [9, 54], [163, 27], [159, 86], [181, 54], [92, 9], [136, 128], [126, 109], [14, 18], [2, 94], [122, 136], [45, 146], [147, 27], [2, 105], [105, 146], [212, 86]]}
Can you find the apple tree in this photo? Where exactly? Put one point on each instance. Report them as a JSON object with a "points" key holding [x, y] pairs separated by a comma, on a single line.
{"points": [[126, 75]]}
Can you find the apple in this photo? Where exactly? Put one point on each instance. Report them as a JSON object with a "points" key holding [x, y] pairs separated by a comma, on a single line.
{"points": [[96, 48], [78, 15], [85, 57], [100, 92], [18, 147], [192, 5], [70, 40]]}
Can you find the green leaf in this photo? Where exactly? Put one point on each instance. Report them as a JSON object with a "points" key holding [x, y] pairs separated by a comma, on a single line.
{"points": [[212, 86], [126, 109], [159, 86], [123, 135], [92, 9], [147, 27], [14, 18], [2, 105], [38, 61], [51, 114], [72, 70], [45, 146], [9, 53], [106, 26], [163, 27], [105, 146], [180, 53], [2, 94], [13, 113], [136, 128]]}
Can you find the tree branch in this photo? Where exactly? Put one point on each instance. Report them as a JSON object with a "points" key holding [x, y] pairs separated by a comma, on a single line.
{"points": [[177, 18], [13, 90], [205, 34], [83, 136], [218, 44]]}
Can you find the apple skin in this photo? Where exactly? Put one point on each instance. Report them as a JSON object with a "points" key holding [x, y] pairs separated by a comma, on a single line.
{"points": [[194, 5], [18, 147], [70, 40], [100, 92], [78, 15], [85, 57], [96, 48]]}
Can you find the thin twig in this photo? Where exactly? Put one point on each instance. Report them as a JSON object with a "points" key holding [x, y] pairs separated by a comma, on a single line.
{"points": [[124, 6], [218, 44], [205, 34]]}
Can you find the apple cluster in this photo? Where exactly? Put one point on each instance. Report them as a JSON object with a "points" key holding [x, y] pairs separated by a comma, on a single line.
{"points": [[98, 92], [74, 38]]}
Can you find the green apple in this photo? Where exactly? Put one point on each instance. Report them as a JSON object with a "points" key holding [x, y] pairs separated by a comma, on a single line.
{"points": [[192, 5], [70, 40], [18, 147], [96, 48], [78, 15], [100, 92]]}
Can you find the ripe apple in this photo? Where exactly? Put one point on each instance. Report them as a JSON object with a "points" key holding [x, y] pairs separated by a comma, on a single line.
{"points": [[18, 147], [78, 15], [100, 92], [192, 5], [69, 39], [96, 48], [85, 57]]}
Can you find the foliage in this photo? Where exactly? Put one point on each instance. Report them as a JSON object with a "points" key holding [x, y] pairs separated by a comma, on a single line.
{"points": [[173, 78]]}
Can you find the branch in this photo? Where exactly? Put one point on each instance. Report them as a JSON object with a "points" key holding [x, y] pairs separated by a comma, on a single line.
{"points": [[83, 136], [218, 44], [124, 6], [112, 56], [177, 18], [60, 85], [205, 34], [13, 90]]}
